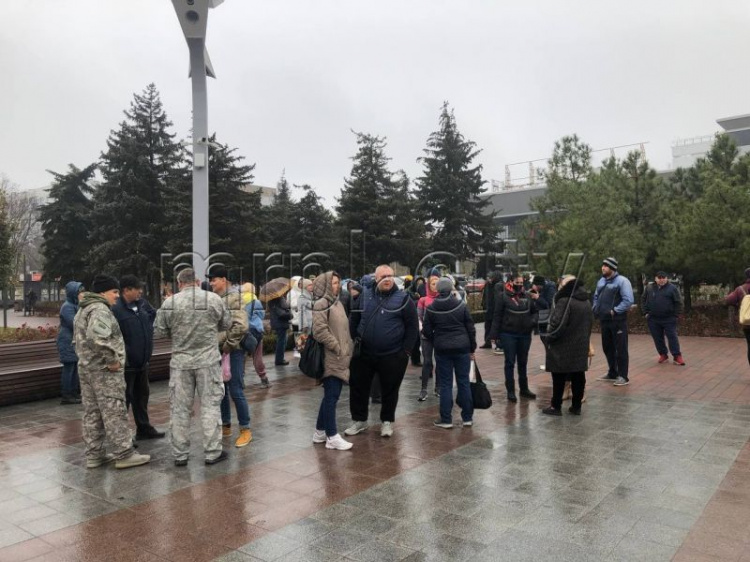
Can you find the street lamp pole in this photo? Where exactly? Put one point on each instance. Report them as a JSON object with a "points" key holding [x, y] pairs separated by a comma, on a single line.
{"points": [[193, 17]]}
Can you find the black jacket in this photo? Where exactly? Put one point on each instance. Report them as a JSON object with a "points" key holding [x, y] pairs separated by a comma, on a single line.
{"points": [[136, 322], [569, 331], [281, 314], [661, 302], [513, 313], [448, 325]]}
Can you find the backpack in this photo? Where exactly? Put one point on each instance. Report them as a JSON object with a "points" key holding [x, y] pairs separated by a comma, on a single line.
{"points": [[745, 308]]}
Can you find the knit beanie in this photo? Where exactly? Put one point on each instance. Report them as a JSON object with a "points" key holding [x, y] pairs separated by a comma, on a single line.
{"points": [[611, 263], [104, 283], [444, 285]]}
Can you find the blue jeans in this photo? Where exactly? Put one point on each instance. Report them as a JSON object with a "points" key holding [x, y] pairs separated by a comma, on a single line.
{"points": [[69, 380], [236, 389], [281, 336], [445, 367], [516, 348], [660, 327], [327, 413]]}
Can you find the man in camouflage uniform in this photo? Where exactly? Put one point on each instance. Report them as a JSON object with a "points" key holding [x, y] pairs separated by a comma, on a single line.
{"points": [[101, 362], [193, 319]]}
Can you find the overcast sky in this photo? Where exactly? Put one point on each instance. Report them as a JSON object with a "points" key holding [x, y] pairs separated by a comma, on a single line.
{"points": [[294, 77]]}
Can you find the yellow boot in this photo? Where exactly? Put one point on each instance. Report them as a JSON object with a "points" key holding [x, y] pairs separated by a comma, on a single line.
{"points": [[244, 439]]}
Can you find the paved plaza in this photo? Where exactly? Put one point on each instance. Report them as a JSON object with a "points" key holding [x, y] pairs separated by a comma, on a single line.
{"points": [[654, 471]]}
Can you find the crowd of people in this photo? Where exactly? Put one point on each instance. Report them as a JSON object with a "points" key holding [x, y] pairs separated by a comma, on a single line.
{"points": [[370, 330]]}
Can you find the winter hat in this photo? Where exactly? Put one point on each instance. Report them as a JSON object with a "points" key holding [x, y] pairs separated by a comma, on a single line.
{"points": [[539, 280], [130, 282], [104, 283], [217, 270], [747, 273], [611, 263], [444, 285]]}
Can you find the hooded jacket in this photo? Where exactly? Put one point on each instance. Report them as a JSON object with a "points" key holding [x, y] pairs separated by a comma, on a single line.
{"points": [[305, 306], [136, 322], [330, 327], [448, 325], [255, 313], [293, 299], [99, 343], [425, 301], [67, 314], [514, 313], [569, 331]]}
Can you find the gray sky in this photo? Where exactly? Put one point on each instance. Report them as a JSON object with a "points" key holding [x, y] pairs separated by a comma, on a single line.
{"points": [[295, 76]]}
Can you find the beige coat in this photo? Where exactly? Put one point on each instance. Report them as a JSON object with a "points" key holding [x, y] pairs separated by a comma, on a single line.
{"points": [[331, 328]]}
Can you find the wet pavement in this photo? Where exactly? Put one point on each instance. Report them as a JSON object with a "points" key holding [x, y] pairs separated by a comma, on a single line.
{"points": [[657, 470]]}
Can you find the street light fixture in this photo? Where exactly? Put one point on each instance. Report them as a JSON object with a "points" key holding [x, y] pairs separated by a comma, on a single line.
{"points": [[193, 18]]}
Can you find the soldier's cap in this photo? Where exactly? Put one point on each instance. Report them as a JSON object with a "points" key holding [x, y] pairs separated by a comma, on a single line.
{"points": [[104, 283], [217, 271], [130, 282]]}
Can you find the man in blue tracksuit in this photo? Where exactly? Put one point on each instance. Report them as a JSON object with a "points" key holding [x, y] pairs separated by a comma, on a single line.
{"points": [[662, 305], [612, 300]]}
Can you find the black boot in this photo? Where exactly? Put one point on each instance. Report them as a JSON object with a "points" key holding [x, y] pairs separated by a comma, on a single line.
{"points": [[510, 388], [526, 393], [512, 396]]}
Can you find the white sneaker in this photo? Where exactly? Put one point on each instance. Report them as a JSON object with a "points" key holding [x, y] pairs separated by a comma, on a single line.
{"points": [[338, 443], [356, 427], [386, 430], [541, 367], [297, 354], [319, 436]]}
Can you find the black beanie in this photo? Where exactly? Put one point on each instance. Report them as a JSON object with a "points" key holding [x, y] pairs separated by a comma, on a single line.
{"points": [[104, 283]]}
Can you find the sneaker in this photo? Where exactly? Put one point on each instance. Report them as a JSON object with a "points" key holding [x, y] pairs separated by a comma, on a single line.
{"points": [[550, 411], [663, 358], [100, 461], [678, 360], [226, 430], [542, 367], [356, 427], [621, 382], [67, 400], [222, 457], [468, 423], [264, 382], [297, 354], [319, 436], [422, 395], [244, 439], [607, 378], [180, 462], [133, 460], [338, 443], [574, 411], [442, 424], [386, 429], [498, 351]]}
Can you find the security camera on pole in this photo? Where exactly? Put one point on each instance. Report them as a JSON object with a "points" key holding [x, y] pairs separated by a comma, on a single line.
{"points": [[193, 17]]}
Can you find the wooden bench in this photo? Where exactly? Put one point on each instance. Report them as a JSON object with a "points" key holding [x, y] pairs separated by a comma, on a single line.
{"points": [[31, 370]]}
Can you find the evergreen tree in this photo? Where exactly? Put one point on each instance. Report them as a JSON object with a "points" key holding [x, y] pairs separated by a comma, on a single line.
{"points": [[66, 224], [279, 218], [450, 192], [315, 231], [141, 168], [372, 202], [6, 253]]}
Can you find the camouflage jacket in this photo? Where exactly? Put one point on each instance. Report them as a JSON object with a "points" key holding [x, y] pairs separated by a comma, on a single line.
{"points": [[98, 340], [233, 336], [193, 319]]}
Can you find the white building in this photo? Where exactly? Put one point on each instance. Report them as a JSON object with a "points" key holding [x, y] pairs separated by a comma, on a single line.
{"points": [[685, 152]]}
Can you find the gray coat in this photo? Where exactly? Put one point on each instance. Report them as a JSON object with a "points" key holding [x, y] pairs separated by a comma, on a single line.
{"points": [[569, 331]]}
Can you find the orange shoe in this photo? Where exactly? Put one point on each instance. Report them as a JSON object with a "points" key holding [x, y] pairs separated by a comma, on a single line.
{"points": [[244, 439], [226, 430]]}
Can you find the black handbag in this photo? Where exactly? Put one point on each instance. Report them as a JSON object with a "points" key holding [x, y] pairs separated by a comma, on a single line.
{"points": [[479, 393], [312, 359]]}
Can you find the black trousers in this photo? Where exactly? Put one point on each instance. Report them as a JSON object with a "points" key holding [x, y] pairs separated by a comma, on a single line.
{"points": [[747, 337], [391, 369], [487, 326], [577, 385], [416, 352], [615, 345], [136, 395]]}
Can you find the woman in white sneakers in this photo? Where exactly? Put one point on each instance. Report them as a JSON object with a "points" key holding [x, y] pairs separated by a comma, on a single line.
{"points": [[330, 327]]}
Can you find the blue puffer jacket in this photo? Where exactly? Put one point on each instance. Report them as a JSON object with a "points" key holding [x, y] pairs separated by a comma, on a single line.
{"points": [[67, 314]]}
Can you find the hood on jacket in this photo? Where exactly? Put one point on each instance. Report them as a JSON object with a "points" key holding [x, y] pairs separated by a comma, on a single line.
{"points": [[573, 289], [307, 285], [71, 291], [322, 287], [88, 298]]}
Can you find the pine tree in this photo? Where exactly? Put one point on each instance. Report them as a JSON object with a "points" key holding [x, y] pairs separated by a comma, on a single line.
{"points": [[66, 224], [141, 168], [450, 192], [315, 231], [278, 219], [370, 202]]}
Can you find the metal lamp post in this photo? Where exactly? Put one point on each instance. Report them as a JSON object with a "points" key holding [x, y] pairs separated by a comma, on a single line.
{"points": [[193, 17]]}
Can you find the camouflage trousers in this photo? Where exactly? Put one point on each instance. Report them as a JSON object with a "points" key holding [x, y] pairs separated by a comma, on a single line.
{"points": [[183, 384], [104, 413]]}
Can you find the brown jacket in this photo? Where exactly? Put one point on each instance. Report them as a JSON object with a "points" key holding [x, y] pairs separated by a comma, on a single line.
{"points": [[330, 327]]}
